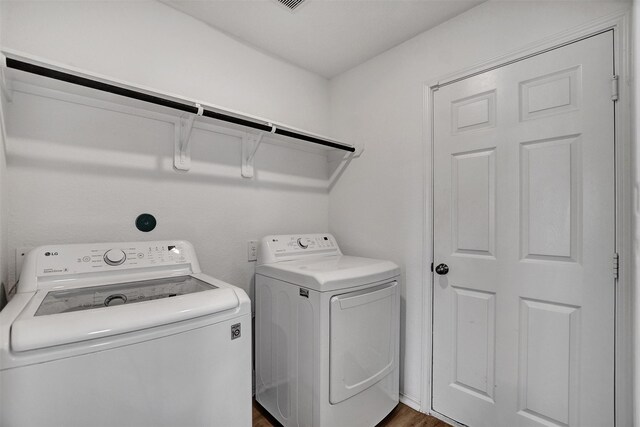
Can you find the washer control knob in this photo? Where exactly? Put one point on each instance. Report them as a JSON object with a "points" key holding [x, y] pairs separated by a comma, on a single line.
{"points": [[302, 245], [114, 257]]}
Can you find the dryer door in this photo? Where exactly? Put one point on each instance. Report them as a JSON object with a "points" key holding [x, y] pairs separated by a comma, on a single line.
{"points": [[364, 334]]}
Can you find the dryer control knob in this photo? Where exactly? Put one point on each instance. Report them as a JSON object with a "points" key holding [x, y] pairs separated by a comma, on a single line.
{"points": [[114, 257], [302, 245]]}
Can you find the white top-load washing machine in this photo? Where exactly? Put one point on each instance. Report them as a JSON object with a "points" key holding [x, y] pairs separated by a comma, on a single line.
{"points": [[124, 334], [327, 333]]}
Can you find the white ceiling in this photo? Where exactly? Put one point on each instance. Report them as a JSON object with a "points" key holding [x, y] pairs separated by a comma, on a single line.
{"points": [[326, 37]]}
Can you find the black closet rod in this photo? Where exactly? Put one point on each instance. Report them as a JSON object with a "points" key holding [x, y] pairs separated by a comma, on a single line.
{"points": [[129, 93]]}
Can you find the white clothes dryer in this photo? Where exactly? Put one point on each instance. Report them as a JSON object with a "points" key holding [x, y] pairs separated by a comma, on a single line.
{"points": [[327, 333], [124, 334]]}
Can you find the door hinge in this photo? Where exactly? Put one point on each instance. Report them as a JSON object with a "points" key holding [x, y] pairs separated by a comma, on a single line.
{"points": [[616, 266], [615, 90]]}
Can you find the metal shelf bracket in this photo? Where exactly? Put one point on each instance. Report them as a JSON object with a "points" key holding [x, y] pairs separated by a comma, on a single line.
{"points": [[7, 89], [340, 165], [182, 151], [250, 144]]}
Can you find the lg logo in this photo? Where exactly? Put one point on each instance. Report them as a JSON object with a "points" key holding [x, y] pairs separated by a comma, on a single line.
{"points": [[50, 253]]}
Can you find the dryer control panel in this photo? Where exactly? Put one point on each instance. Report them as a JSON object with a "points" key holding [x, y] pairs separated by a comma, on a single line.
{"points": [[287, 247]]}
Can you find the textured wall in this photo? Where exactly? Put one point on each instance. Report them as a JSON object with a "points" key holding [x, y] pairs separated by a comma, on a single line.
{"points": [[80, 174], [380, 104], [148, 43], [636, 203]]}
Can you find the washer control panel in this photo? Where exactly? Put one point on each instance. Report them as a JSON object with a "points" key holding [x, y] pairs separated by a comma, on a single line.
{"points": [[76, 259], [292, 246]]}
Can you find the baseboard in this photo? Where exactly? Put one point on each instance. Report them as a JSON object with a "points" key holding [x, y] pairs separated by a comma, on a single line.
{"points": [[410, 402]]}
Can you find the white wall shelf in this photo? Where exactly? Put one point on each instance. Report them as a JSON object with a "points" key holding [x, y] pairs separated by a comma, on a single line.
{"points": [[34, 75]]}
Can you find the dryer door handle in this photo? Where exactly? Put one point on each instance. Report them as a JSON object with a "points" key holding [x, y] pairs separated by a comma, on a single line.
{"points": [[366, 298]]}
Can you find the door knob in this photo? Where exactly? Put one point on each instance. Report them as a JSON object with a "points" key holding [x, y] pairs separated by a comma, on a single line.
{"points": [[442, 269]]}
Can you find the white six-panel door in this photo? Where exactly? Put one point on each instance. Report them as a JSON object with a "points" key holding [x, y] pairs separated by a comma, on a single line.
{"points": [[523, 326]]}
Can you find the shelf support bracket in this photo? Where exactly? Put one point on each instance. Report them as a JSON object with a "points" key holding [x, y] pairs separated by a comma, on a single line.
{"points": [[182, 151], [340, 165], [250, 144], [7, 89]]}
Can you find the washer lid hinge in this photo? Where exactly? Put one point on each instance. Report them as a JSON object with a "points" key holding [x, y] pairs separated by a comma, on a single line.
{"points": [[616, 266]]}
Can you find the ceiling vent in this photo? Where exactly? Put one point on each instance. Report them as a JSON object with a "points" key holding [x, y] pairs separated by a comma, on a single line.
{"points": [[291, 4]]}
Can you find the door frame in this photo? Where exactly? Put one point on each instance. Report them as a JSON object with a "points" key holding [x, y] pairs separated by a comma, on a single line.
{"points": [[619, 23]]}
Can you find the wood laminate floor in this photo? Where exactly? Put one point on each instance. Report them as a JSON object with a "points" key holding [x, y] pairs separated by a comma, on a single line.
{"points": [[401, 416]]}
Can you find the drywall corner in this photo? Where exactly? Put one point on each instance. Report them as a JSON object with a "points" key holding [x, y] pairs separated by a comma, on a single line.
{"points": [[3, 199], [635, 49]]}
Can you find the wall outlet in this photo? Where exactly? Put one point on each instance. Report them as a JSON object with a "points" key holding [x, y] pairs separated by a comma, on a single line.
{"points": [[252, 250]]}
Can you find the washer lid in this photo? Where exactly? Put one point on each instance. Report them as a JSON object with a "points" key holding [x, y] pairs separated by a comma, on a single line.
{"points": [[327, 273], [91, 298], [67, 316]]}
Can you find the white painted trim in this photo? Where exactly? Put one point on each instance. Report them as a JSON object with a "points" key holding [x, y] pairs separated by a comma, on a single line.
{"points": [[634, 46], [5, 97], [619, 22], [410, 402], [624, 220], [427, 248]]}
